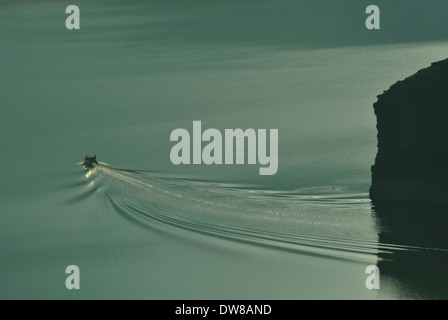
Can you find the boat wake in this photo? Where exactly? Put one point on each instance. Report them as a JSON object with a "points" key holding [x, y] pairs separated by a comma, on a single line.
{"points": [[324, 221]]}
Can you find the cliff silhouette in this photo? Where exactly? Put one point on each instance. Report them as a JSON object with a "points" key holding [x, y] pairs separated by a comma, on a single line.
{"points": [[411, 165]]}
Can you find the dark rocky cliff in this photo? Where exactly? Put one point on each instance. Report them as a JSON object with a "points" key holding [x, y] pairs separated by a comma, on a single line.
{"points": [[411, 165]]}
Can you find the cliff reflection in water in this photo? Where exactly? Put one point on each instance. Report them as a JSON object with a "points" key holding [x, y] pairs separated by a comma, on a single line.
{"points": [[420, 271]]}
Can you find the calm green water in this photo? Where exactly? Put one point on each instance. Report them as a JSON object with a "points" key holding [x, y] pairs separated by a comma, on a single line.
{"points": [[137, 71]]}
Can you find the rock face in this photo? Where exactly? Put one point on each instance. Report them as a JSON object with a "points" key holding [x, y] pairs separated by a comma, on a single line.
{"points": [[411, 165]]}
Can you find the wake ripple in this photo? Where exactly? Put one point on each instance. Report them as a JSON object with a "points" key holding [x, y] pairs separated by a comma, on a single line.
{"points": [[324, 221]]}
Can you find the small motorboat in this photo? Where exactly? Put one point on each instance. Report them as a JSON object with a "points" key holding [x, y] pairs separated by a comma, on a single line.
{"points": [[90, 161]]}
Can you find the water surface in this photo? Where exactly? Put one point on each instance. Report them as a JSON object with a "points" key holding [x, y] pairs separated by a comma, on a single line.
{"points": [[137, 71]]}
